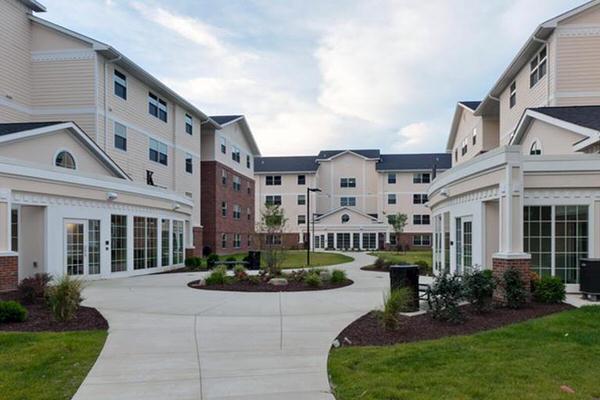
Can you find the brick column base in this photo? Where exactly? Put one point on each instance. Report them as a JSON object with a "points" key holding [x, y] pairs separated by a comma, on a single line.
{"points": [[196, 251], [501, 265], [9, 272]]}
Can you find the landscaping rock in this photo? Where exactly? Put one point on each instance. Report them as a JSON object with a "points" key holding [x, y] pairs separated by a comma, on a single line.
{"points": [[325, 275], [336, 343], [567, 389], [278, 282]]}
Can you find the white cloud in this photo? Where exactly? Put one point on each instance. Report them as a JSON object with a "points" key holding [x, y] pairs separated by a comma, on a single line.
{"points": [[416, 137]]}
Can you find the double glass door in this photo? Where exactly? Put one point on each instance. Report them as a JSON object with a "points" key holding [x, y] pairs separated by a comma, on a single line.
{"points": [[82, 247], [464, 244]]}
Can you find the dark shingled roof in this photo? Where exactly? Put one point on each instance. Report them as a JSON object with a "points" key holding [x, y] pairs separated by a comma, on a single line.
{"points": [[397, 162], [285, 164], [586, 116], [470, 104], [369, 153], [7, 129], [223, 119]]}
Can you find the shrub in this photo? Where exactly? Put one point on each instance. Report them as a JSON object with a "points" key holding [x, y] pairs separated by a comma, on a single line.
{"points": [[479, 289], [211, 260], [194, 263], [11, 311], [515, 293], [254, 279], [380, 263], [231, 259], [313, 279], [338, 276], [424, 267], [550, 290], [396, 301], [240, 273], [64, 298], [444, 297], [33, 289], [218, 276], [534, 278]]}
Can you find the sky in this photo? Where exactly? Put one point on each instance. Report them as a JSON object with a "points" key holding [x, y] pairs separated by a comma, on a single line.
{"points": [[313, 74]]}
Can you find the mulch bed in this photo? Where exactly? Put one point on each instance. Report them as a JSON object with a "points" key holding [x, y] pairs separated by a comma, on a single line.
{"points": [[40, 319], [375, 269], [245, 286], [367, 330]]}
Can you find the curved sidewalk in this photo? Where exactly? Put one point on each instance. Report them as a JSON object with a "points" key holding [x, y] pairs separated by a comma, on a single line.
{"points": [[168, 341]]}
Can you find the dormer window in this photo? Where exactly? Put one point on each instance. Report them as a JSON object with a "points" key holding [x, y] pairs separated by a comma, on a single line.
{"points": [[64, 159], [536, 149], [538, 67]]}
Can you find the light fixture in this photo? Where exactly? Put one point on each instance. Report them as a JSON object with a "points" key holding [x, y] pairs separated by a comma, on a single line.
{"points": [[111, 196], [176, 206]]}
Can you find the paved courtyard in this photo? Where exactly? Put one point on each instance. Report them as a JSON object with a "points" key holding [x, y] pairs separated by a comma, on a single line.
{"points": [[168, 341]]}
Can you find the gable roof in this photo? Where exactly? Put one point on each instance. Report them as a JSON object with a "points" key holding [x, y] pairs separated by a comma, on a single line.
{"points": [[366, 153], [461, 106], [7, 129], [411, 162], [348, 209], [28, 130], [34, 5], [225, 119], [121, 60], [489, 106], [286, 164], [586, 116]]}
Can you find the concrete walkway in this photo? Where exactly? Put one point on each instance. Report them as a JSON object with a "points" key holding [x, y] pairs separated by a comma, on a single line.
{"points": [[167, 341]]}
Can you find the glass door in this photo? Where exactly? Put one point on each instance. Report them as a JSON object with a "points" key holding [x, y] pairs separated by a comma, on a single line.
{"points": [[464, 245], [82, 247]]}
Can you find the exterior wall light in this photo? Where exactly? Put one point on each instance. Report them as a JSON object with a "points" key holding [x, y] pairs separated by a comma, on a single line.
{"points": [[111, 196]]}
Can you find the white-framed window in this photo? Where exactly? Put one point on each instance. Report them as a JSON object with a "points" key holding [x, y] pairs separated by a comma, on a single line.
{"points": [[538, 67], [118, 243], [223, 145], [64, 159], [348, 201], [535, 149], [249, 213], [455, 155], [189, 124], [347, 182], [273, 200], [145, 243], [391, 178], [512, 99], [474, 136], [120, 136], [235, 154], [120, 80], [422, 177], [421, 219], [391, 198], [464, 146], [14, 229], [301, 219], [164, 239], [248, 161], [419, 198], [224, 177], [421, 240], [237, 240], [158, 152], [273, 180], [237, 183], [237, 212], [248, 188], [273, 240], [224, 240], [301, 179], [301, 199], [157, 107], [189, 163], [177, 242], [223, 208]]}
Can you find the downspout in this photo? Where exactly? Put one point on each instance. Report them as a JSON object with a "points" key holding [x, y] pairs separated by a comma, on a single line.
{"points": [[106, 62]]}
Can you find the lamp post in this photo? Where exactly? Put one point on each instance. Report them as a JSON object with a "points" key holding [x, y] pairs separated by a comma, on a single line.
{"points": [[308, 191]]}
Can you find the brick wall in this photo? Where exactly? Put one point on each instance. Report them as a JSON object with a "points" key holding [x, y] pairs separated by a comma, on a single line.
{"points": [[500, 265], [9, 272], [214, 224], [406, 241]]}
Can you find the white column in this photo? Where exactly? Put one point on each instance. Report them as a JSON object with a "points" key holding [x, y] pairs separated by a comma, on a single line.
{"points": [[5, 214], [511, 211]]}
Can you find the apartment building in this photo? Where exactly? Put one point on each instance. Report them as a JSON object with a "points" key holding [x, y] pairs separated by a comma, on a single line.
{"points": [[228, 185], [524, 187], [358, 190], [96, 151]]}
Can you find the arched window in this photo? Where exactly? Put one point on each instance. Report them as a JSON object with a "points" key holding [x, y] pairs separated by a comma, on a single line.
{"points": [[535, 149], [64, 159]]}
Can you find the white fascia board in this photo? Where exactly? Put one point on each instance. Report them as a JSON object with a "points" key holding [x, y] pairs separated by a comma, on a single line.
{"points": [[114, 184], [529, 115], [284, 172], [346, 152]]}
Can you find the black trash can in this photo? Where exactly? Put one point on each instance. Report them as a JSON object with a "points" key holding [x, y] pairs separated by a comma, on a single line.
{"points": [[254, 260], [589, 277], [406, 276]]}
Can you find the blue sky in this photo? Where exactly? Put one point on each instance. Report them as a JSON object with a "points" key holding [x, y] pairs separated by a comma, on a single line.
{"points": [[313, 75]]}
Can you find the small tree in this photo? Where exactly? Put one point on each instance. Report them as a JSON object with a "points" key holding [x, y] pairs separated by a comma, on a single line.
{"points": [[398, 223], [272, 224]]}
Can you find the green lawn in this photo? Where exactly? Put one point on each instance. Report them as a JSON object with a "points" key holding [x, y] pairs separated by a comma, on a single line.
{"points": [[46, 366], [297, 259], [408, 257], [526, 361]]}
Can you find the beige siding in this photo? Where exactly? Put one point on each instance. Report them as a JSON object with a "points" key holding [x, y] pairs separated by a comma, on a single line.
{"points": [[46, 39], [578, 60], [468, 122], [553, 140], [588, 17], [63, 83], [15, 53], [85, 121], [404, 188], [536, 96]]}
